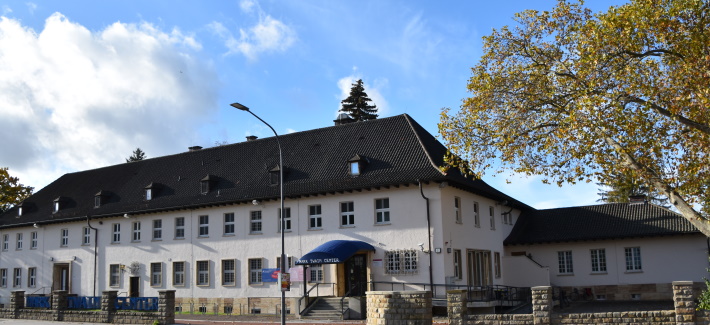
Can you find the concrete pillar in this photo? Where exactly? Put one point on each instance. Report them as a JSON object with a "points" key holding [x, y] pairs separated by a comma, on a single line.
{"points": [[59, 300], [542, 305], [457, 306], [684, 302], [166, 305]]}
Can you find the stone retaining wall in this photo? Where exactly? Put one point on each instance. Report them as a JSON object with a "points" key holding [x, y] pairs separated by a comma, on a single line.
{"points": [[399, 307], [684, 312], [107, 314]]}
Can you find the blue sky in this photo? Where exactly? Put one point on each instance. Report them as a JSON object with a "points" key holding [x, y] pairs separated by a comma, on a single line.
{"points": [[83, 83]]}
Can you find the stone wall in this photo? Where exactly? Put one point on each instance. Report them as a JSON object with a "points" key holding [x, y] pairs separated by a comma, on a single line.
{"points": [[107, 314], [399, 307], [683, 313], [240, 306]]}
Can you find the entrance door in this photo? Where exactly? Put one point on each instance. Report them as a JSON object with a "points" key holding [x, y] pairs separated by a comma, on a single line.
{"points": [[61, 275], [479, 268], [356, 275], [134, 286]]}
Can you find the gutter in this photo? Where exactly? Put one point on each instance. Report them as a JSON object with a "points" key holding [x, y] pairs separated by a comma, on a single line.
{"points": [[428, 230], [96, 252]]}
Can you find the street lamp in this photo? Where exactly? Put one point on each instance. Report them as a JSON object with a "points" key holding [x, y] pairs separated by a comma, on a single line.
{"points": [[282, 266]]}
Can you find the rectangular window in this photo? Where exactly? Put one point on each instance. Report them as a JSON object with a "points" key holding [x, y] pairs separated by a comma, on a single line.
{"points": [[156, 274], [229, 272], [457, 209], [158, 229], [401, 262], [179, 227], [458, 268], [564, 259], [255, 222], [178, 274], [255, 270], [491, 212], [116, 233], [287, 219], [315, 273], [598, 260], [35, 238], [86, 239], [114, 275], [97, 201], [382, 210], [148, 194], [496, 264], [203, 273], [136, 231], [347, 214], [204, 226], [3, 278], [476, 217], [229, 224], [32, 277], [17, 277], [314, 217], [633, 258], [18, 244], [65, 238], [5, 242]]}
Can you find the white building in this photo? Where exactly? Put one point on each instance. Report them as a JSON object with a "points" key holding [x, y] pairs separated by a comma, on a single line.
{"points": [[205, 223]]}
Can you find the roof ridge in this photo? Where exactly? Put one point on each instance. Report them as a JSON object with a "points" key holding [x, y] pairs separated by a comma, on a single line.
{"points": [[421, 143]]}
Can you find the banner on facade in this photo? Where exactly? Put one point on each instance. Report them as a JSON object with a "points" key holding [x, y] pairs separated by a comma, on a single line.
{"points": [[269, 275]]}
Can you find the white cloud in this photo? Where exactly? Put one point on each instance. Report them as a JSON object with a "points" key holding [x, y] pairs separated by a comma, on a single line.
{"points": [[373, 91], [6, 10], [73, 99], [31, 7], [247, 5]]}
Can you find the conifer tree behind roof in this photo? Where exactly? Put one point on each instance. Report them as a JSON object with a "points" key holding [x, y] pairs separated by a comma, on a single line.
{"points": [[357, 104]]}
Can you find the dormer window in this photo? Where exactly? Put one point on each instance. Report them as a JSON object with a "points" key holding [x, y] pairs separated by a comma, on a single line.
{"points": [[274, 175], [150, 191], [206, 184], [57, 204], [149, 194], [356, 164], [19, 210], [98, 199]]}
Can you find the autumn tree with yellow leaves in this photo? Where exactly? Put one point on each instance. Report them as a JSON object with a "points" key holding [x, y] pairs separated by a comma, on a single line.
{"points": [[577, 97]]}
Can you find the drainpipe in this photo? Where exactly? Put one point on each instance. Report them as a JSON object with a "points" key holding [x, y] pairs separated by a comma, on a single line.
{"points": [[428, 230], [96, 242]]}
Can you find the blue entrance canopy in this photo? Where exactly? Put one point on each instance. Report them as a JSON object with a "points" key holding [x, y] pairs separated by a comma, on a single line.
{"points": [[334, 252]]}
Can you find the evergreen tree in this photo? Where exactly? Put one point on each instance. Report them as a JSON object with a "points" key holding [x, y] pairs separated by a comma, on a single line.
{"points": [[138, 155], [357, 104]]}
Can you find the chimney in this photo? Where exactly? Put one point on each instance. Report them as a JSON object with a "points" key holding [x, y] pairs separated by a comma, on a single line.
{"points": [[343, 118], [251, 137], [193, 148], [637, 199]]}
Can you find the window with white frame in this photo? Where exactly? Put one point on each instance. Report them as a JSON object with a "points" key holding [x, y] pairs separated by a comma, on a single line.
{"points": [[116, 234], [156, 274], [204, 226], [491, 213], [382, 211], [347, 214], [64, 238], [34, 240], [86, 236], [18, 244], [5, 242], [32, 277], [633, 259], [229, 224], [3, 278], [180, 228], [457, 209], [476, 217], [203, 273], [458, 267], [564, 262], [287, 219], [148, 194], [114, 278], [315, 273], [496, 264], [315, 220], [255, 266], [17, 282], [255, 222], [178, 274], [598, 260], [402, 262], [229, 275], [158, 229]]}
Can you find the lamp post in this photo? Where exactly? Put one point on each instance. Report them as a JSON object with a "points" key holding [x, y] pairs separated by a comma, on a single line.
{"points": [[282, 266]]}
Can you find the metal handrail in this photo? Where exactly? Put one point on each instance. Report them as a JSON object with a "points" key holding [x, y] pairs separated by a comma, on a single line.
{"points": [[42, 288]]}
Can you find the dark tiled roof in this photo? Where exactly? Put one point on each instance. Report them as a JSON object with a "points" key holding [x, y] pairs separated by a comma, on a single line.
{"points": [[594, 222], [397, 151]]}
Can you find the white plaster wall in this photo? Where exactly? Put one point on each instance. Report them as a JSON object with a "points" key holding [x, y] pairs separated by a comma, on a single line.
{"points": [[663, 260], [519, 271]]}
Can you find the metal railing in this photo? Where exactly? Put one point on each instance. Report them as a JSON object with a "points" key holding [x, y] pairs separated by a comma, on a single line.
{"points": [[305, 296]]}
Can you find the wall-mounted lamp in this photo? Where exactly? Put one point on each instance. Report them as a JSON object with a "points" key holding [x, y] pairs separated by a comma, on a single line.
{"points": [[448, 250], [421, 246], [126, 215], [35, 225], [51, 259], [255, 202], [437, 250]]}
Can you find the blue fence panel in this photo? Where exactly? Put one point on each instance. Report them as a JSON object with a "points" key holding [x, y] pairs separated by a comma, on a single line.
{"points": [[137, 303], [84, 302], [38, 302]]}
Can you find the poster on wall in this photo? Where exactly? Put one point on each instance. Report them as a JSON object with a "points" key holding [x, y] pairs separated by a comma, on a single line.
{"points": [[296, 274], [269, 275]]}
